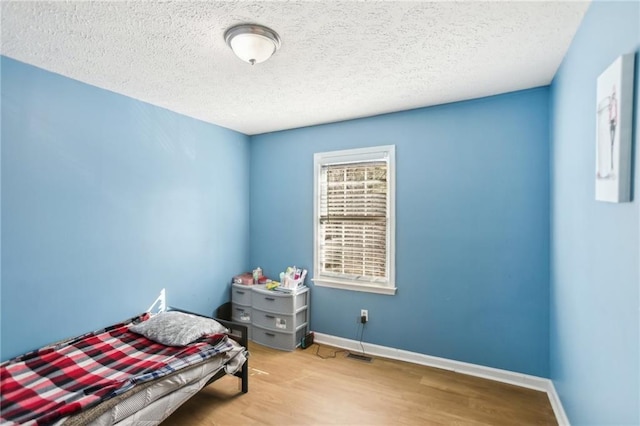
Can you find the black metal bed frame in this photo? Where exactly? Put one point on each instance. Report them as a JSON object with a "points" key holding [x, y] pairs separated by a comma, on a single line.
{"points": [[239, 333], [241, 338]]}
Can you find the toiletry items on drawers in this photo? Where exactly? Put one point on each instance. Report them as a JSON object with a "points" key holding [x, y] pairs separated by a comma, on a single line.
{"points": [[278, 320]]}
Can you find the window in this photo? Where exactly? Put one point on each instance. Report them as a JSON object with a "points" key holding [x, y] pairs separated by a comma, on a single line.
{"points": [[354, 227]]}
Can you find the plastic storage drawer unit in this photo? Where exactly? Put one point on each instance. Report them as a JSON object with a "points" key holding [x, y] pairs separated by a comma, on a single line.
{"points": [[279, 320]]}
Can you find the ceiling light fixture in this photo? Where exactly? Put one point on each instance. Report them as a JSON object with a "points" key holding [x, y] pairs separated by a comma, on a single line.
{"points": [[252, 43]]}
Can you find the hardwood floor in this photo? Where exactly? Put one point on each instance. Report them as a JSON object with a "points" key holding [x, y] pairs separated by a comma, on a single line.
{"points": [[299, 388]]}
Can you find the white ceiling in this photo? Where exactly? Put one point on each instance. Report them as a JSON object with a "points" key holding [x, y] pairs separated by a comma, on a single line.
{"points": [[339, 59]]}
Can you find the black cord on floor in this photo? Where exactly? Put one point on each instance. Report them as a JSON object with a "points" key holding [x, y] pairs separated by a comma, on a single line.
{"points": [[362, 334], [336, 352], [333, 355]]}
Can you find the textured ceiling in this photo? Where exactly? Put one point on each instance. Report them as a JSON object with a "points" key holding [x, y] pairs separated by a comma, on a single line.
{"points": [[338, 60]]}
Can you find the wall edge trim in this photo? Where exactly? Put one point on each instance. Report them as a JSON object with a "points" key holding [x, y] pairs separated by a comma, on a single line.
{"points": [[556, 404], [504, 376]]}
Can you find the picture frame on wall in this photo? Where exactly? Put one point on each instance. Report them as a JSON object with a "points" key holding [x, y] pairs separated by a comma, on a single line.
{"points": [[614, 115]]}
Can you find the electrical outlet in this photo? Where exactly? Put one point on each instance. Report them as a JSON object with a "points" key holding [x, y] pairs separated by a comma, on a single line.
{"points": [[364, 316]]}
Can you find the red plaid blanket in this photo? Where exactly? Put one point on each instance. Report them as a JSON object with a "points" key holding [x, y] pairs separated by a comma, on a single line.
{"points": [[45, 385]]}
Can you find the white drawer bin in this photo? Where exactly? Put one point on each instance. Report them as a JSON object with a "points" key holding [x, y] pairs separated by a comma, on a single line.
{"points": [[278, 322], [241, 294], [276, 339], [272, 301], [241, 313]]}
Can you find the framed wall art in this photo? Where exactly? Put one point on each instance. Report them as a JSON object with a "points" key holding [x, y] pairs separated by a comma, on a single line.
{"points": [[614, 117]]}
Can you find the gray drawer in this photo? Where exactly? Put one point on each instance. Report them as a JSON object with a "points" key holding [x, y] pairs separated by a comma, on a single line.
{"points": [[278, 322], [272, 301], [241, 294], [241, 313], [277, 339]]}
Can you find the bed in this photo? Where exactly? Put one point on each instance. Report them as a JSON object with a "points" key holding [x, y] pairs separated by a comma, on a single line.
{"points": [[123, 374]]}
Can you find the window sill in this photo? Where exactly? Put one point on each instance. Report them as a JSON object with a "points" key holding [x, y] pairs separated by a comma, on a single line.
{"points": [[367, 288]]}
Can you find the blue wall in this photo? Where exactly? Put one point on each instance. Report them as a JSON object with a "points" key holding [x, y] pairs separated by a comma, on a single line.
{"points": [[595, 255], [105, 201], [472, 239]]}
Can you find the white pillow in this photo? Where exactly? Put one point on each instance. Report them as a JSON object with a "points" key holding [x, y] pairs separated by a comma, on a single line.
{"points": [[177, 328]]}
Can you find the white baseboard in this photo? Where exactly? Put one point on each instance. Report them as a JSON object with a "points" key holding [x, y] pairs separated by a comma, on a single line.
{"points": [[504, 376], [556, 404]]}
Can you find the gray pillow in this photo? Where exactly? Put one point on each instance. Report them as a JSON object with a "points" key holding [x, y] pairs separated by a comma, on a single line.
{"points": [[176, 328]]}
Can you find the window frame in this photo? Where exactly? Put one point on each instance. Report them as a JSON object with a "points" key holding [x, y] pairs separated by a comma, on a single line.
{"points": [[359, 155]]}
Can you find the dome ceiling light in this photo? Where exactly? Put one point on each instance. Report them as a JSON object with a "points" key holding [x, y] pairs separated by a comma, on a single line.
{"points": [[252, 43]]}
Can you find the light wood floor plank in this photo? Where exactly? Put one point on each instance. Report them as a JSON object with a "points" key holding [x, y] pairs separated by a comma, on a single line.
{"points": [[299, 388]]}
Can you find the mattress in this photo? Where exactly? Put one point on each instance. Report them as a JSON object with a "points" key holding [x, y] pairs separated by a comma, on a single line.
{"points": [[151, 403]]}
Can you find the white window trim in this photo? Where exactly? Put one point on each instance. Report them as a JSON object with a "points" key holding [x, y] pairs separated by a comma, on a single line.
{"points": [[350, 156]]}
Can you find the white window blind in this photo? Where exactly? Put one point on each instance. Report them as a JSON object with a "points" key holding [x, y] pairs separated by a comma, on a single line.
{"points": [[353, 220]]}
